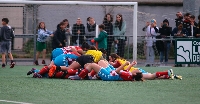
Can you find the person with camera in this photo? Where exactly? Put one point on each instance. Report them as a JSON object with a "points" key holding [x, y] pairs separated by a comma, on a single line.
{"points": [[150, 37], [163, 46]]}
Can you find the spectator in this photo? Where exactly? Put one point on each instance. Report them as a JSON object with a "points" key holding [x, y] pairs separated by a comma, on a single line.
{"points": [[68, 32], [151, 33], [102, 39], [90, 30], [198, 28], [6, 35], [59, 37], [78, 31], [107, 21], [179, 32], [187, 23], [164, 46], [119, 29], [194, 25], [179, 18], [43, 33]]}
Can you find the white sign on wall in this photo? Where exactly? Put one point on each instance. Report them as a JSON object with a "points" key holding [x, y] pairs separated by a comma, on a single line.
{"points": [[187, 51]]}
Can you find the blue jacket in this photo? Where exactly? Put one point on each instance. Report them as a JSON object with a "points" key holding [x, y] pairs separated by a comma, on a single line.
{"points": [[42, 35]]}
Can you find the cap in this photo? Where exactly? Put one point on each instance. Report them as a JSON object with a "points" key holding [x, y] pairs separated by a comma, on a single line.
{"points": [[153, 20]]}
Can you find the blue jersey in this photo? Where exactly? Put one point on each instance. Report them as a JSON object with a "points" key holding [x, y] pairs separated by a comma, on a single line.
{"points": [[65, 59], [107, 74]]}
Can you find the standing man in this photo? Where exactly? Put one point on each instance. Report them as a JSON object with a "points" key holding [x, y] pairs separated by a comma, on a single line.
{"points": [[179, 18], [90, 30], [5, 36], [78, 32]]}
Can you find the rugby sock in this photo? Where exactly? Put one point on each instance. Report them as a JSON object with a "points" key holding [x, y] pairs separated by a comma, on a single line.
{"points": [[83, 73], [66, 77], [92, 73], [72, 71], [166, 77], [158, 74], [58, 74], [44, 70]]}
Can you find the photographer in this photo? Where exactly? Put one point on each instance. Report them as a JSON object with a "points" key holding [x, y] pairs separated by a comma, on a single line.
{"points": [[150, 37], [163, 46]]}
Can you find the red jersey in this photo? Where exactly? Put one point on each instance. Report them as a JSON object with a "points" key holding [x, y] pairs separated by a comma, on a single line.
{"points": [[67, 49], [116, 64], [126, 75]]}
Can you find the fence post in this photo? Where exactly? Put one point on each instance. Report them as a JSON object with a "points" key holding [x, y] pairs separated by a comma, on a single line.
{"points": [[34, 29]]}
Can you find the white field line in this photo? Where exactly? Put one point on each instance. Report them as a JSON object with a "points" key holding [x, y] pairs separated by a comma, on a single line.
{"points": [[15, 102]]}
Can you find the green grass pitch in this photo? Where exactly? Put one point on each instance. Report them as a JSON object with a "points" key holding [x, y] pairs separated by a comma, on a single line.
{"points": [[16, 86]]}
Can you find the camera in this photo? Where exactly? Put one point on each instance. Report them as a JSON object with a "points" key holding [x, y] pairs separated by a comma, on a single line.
{"points": [[164, 25]]}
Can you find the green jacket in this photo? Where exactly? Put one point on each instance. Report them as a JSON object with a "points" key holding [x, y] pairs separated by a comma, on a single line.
{"points": [[119, 33], [102, 40]]}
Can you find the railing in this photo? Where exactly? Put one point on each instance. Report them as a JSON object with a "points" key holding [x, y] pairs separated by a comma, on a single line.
{"points": [[128, 49]]}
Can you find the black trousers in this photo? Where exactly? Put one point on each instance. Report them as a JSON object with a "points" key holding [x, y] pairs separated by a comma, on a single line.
{"points": [[121, 47], [109, 47]]}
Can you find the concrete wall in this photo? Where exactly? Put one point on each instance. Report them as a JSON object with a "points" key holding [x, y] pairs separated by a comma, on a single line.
{"points": [[145, 13], [14, 13], [52, 15], [192, 6]]}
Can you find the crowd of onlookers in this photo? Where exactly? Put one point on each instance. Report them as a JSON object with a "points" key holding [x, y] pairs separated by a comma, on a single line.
{"points": [[185, 27], [110, 32]]}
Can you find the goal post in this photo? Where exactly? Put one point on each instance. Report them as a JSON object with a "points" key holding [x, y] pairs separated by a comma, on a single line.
{"points": [[134, 9]]}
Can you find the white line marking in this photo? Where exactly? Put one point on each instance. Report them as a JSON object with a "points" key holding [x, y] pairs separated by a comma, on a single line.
{"points": [[15, 102]]}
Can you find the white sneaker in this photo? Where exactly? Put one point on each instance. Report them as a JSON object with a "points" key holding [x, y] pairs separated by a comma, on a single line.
{"points": [[171, 73]]}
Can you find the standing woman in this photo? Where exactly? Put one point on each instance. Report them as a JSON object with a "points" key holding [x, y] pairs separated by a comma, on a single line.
{"points": [[59, 37], [68, 32], [150, 37], [107, 21], [119, 30], [43, 33]]}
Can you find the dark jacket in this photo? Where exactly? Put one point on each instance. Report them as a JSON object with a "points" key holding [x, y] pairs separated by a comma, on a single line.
{"points": [[178, 21], [75, 28], [109, 30], [6, 33], [90, 31], [59, 37], [175, 31], [165, 32], [197, 30], [187, 26]]}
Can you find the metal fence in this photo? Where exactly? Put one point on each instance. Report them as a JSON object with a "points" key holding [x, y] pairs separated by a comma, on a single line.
{"points": [[27, 53], [25, 18]]}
